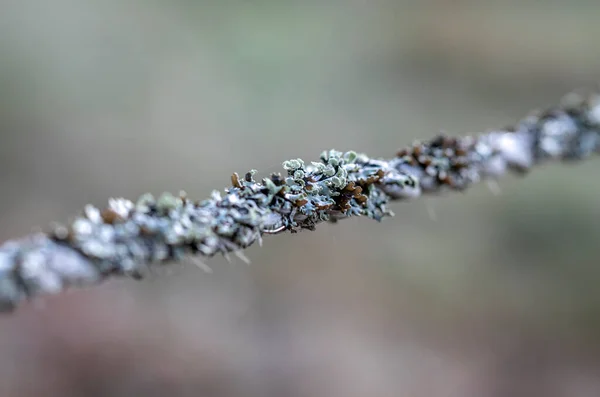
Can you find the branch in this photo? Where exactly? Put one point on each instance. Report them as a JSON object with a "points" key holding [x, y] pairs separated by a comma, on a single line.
{"points": [[127, 237]]}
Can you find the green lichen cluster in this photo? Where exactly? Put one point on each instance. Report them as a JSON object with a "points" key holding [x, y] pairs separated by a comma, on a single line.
{"points": [[126, 236], [339, 185]]}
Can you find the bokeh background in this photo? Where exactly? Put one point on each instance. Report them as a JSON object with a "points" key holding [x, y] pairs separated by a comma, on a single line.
{"points": [[465, 295]]}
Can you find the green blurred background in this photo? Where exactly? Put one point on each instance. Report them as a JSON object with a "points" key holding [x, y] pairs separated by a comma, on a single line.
{"points": [[496, 296]]}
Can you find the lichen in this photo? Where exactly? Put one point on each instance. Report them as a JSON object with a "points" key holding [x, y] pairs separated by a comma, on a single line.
{"points": [[126, 237], [339, 185]]}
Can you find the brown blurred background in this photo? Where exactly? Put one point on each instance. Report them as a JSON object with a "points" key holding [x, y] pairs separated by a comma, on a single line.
{"points": [[498, 296]]}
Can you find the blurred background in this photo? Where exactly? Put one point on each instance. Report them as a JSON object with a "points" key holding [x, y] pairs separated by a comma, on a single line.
{"points": [[491, 296]]}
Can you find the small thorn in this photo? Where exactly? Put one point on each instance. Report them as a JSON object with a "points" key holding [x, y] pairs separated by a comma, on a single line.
{"points": [[242, 257], [494, 187], [274, 231], [202, 265]]}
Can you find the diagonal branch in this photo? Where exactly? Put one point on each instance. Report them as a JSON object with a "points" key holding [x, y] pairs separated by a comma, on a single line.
{"points": [[126, 237]]}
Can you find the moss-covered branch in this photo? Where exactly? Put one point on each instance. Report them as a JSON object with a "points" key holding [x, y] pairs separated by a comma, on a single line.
{"points": [[127, 237]]}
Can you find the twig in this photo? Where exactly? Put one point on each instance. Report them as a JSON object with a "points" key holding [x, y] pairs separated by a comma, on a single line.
{"points": [[126, 237]]}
